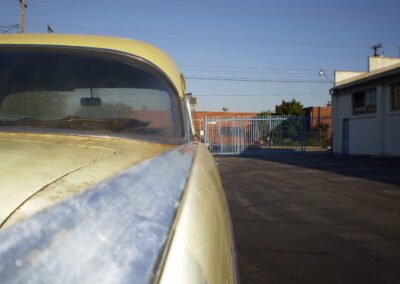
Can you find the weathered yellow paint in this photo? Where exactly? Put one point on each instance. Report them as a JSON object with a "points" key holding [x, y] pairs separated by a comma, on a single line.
{"points": [[140, 49], [46, 168], [201, 248]]}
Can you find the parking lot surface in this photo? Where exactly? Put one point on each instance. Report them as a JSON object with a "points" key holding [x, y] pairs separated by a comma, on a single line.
{"points": [[315, 218]]}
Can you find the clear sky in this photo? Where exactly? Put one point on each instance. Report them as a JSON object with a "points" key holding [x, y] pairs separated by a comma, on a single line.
{"points": [[271, 44]]}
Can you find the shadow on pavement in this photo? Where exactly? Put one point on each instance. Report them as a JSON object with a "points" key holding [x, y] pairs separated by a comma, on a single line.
{"points": [[381, 169]]}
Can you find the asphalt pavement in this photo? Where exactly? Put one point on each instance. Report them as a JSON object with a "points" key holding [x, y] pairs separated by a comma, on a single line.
{"points": [[315, 218]]}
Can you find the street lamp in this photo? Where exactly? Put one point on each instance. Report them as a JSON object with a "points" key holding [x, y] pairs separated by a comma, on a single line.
{"points": [[323, 73]]}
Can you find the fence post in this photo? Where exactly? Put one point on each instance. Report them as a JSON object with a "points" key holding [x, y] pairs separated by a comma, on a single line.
{"points": [[205, 130], [269, 141], [303, 133]]}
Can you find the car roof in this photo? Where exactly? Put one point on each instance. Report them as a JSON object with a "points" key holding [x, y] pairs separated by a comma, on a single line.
{"points": [[140, 49]]}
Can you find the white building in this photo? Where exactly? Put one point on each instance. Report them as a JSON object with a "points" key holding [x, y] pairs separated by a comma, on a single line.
{"points": [[366, 109]]}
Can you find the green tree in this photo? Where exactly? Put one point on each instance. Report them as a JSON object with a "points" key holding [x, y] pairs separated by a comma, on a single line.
{"points": [[289, 131], [292, 107], [319, 135], [263, 126]]}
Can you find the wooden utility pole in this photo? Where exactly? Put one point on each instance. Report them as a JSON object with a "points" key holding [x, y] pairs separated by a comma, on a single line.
{"points": [[22, 21]]}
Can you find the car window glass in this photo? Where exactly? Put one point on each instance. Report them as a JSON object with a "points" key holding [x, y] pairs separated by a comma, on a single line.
{"points": [[85, 91]]}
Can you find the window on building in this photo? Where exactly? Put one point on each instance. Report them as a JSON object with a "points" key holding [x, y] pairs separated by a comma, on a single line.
{"points": [[230, 131], [364, 102], [395, 97]]}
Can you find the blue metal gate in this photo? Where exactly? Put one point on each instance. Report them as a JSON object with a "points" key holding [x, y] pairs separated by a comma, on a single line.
{"points": [[258, 135]]}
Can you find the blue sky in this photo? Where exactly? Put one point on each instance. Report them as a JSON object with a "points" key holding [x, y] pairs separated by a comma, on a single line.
{"points": [[257, 40]]}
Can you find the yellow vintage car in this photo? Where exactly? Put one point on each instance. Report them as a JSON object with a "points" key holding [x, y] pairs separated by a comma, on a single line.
{"points": [[101, 181]]}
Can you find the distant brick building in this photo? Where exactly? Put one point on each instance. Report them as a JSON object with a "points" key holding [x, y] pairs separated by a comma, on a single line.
{"points": [[199, 116], [202, 114], [247, 128], [318, 115], [158, 118], [315, 114], [223, 133]]}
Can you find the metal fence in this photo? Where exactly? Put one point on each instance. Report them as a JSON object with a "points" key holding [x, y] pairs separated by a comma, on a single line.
{"points": [[260, 135]]}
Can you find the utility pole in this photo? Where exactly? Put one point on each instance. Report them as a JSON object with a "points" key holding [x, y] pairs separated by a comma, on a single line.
{"points": [[22, 22]]}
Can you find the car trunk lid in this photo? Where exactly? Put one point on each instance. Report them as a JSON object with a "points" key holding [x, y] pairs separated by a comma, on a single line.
{"points": [[37, 170]]}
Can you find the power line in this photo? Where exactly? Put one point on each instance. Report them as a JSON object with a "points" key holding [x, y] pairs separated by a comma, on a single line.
{"points": [[217, 50], [210, 71], [251, 40], [220, 8], [8, 29], [258, 95], [237, 40], [255, 80], [251, 69], [238, 67]]}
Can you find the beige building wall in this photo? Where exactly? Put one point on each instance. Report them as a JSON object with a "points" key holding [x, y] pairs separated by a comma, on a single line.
{"points": [[364, 135], [363, 128], [375, 63], [391, 126], [370, 134], [393, 137], [341, 76], [341, 111]]}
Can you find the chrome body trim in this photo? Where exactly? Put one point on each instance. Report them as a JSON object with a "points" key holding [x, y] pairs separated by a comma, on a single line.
{"points": [[115, 232]]}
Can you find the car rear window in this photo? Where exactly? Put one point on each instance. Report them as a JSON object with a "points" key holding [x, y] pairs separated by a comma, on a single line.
{"points": [[90, 91]]}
